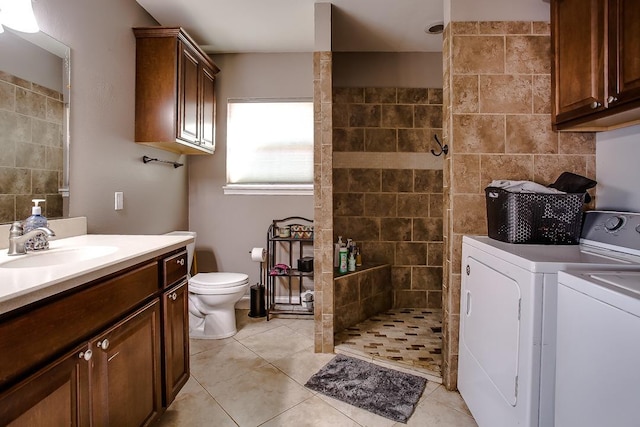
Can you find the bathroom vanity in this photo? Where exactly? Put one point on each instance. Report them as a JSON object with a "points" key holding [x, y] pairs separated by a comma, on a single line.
{"points": [[99, 340]]}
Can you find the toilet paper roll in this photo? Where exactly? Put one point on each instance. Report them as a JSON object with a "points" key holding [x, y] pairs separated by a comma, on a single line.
{"points": [[258, 254]]}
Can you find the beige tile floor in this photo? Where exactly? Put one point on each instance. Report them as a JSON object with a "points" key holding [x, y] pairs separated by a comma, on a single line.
{"points": [[257, 377]]}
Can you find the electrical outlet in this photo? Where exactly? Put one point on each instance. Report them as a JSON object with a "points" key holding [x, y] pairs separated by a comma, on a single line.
{"points": [[119, 200]]}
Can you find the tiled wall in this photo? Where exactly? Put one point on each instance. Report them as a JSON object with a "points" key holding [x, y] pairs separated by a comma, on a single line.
{"points": [[361, 295], [497, 103], [387, 186], [31, 153], [323, 202]]}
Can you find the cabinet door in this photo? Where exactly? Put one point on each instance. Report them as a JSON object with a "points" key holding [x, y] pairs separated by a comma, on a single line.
{"points": [[578, 64], [126, 370], [188, 108], [624, 52], [57, 395], [208, 109], [175, 315]]}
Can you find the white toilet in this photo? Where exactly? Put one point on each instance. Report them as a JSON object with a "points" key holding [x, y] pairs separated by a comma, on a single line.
{"points": [[212, 299]]}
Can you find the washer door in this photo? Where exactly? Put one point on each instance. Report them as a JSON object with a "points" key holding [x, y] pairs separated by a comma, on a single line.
{"points": [[491, 306]]}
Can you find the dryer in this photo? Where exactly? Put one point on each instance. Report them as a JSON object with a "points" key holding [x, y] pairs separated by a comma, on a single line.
{"points": [[508, 308]]}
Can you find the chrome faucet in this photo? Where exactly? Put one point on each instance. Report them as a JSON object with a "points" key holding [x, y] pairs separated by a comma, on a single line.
{"points": [[17, 239]]}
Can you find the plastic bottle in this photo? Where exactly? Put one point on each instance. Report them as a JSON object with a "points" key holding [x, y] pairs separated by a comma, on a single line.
{"points": [[352, 262], [336, 252], [34, 221], [343, 260]]}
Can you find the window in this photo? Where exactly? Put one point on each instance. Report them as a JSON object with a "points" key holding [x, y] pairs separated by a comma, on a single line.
{"points": [[269, 146]]}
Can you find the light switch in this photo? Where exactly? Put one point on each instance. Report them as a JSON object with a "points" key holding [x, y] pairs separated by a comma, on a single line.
{"points": [[119, 200]]}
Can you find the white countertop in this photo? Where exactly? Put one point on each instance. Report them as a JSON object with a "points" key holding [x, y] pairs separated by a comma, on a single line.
{"points": [[22, 286]]}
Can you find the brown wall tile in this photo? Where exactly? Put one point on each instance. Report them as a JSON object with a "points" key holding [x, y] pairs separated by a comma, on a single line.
{"points": [[530, 134], [479, 133], [478, 55], [465, 99], [398, 116], [428, 181], [364, 115], [466, 173], [348, 139], [427, 229], [380, 205], [385, 95], [364, 180], [513, 167], [505, 94], [395, 229], [413, 96], [397, 180], [470, 215], [528, 55], [380, 140]]}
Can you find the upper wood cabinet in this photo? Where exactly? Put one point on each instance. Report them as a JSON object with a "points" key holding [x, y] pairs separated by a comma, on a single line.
{"points": [[596, 64], [175, 96]]}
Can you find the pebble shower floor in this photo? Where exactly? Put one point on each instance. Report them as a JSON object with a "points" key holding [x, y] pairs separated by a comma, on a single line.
{"points": [[410, 338]]}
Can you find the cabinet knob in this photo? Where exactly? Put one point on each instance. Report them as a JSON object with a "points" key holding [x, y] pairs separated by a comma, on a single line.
{"points": [[104, 344], [173, 296], [180, 261], [611, 99], [595, 104], [86, 355]]}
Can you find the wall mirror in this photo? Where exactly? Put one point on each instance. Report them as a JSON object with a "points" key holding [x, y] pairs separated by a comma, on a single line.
{"points": [[34, 125]]}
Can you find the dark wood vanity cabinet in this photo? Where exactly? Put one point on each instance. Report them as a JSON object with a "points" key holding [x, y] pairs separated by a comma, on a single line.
{"points": [[596, 64], [176, 340], [57, 395], [128, 336], [175, 92], [125, 371]]}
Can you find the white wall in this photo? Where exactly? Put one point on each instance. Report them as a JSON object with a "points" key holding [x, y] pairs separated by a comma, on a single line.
{"points": [[104, 158], [618, 173], [228, 226], [30, 62], [496, 10]]}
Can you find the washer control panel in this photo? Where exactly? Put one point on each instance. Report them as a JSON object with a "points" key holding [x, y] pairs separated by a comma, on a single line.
{"points": [[621, 229]]}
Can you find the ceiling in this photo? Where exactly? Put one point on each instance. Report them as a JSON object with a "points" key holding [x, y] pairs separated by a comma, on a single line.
{"points": [[223, 26]]}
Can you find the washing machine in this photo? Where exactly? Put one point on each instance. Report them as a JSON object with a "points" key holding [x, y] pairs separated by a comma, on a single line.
{"points": [[598, 350], [508, 307]]}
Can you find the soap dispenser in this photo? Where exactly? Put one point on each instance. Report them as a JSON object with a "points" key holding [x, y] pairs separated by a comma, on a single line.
{"points": [[34, 221]]}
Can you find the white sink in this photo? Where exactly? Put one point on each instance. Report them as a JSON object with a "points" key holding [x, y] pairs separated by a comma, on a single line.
{"points": [[59, 256]]}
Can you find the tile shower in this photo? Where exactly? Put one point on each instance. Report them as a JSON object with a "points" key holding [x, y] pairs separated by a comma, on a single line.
{"points": [[31, 153], [387, 196]]}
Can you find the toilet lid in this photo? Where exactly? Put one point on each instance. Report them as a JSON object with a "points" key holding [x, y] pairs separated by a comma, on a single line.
{"points": [[218, 280]]}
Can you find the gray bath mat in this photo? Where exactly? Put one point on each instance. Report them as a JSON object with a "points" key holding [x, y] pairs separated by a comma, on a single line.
{"points": [[388, 393]]}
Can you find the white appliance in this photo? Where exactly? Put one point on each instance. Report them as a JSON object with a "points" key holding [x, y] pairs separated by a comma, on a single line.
{"points": [[506, 368], [598, 350]]}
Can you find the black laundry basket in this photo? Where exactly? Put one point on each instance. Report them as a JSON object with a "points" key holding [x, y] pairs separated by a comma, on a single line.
{"points": [[551, 219]]}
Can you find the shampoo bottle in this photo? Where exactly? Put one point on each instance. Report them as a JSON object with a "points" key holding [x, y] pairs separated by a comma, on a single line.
{"points": [[336, 252], [34, 221], [343, 260]]}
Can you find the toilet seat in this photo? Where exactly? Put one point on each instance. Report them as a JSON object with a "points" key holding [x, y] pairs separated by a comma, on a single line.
{"points": [[202, 283]]}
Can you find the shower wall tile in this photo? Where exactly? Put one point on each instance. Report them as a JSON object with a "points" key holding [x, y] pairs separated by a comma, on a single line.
{"points": [[497, 124], [324, 120], [360, 295], [397, 180], [403, 204], [31, 153]]}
